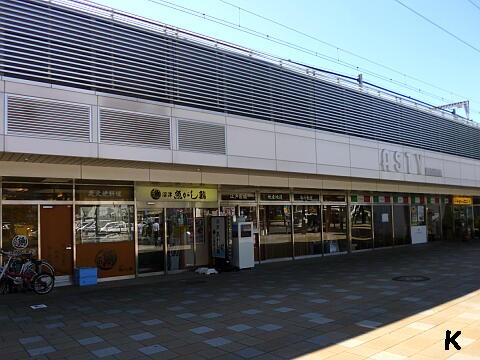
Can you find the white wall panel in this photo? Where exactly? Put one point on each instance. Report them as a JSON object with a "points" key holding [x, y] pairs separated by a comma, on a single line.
{"points": [[468, 171], [250, 142], [364, 157], [333, 153], [452, 169], [243, 162], [333, 170], [295, 148], [194, 158], [49, 147], [134, 153], [292, 166]]}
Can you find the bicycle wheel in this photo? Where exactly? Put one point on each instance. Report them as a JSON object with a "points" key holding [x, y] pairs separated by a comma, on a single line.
{"points": [[42, 283]]}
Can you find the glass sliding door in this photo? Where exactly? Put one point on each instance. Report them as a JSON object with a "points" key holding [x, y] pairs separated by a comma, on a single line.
{"points": [[151, 239], [434, 223], [180, 250], [361, 220], [382, 225], [275, 231], [20, 220], [307, 229], [335, 229], [401, 225], [203, 233]]}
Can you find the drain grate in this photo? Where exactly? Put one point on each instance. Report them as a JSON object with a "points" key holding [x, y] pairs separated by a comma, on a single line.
{"points": [[411, 278]]}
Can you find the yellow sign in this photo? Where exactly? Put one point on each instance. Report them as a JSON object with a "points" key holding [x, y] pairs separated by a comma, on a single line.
{"points": [[462, 200], [178, 193]]}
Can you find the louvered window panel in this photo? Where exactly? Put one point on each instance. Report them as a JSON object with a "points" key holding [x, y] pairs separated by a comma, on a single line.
{"points": [[44, 118], [94, 48], [137, 129], [202, 137]]}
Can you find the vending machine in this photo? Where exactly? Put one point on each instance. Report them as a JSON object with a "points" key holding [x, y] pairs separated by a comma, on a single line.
{"points": [[222, 241], [243, 253]]}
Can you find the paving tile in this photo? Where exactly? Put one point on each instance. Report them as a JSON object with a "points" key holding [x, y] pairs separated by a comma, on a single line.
{"points": [[41, 351], [257, 297], [321, 340], [152, 322], [106, 352], [152, 349], [186, 315], [269, 327], [135, 311], [248, 353], [176, 308], [279, 296], [30, 340], [142, 336], [90, 340], [318, 301], [353, 297], [107, 325], [369, 324], [91, 323], [216, 342], [385, 355], [272, 302], [201, 330], [55, 325], [239, 327], [321, 320], [211, 315], [252, 312], [284, 309], [421, 326]]}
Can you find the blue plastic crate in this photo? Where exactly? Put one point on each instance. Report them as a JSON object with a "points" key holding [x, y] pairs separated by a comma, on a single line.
{"points": [[85, 276]]}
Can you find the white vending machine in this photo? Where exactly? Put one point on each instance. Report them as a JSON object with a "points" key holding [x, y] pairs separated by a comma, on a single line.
{"points": [[243, 245]]}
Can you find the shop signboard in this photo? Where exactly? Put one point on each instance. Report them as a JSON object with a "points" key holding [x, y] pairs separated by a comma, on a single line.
{"points": [[462, 200], [275, 196], [306, 197], [243, 196], [176, 193]]}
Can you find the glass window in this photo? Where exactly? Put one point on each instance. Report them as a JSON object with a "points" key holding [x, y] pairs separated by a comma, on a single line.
{"points": [[150, 227], [275, 231], [306, 227], [476, 217], [418, 215], [104, 239], [334, 198], [20, 220], [335, 229], [382, 224], [361, 220], [49, 192], [203, 222], [401, 225]]}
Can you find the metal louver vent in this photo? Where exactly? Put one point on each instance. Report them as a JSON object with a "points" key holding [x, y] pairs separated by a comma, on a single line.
{"points": [[129, 128], [47, 119], [199, 136]]}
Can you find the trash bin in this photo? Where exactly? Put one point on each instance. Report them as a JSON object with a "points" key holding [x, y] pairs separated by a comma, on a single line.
{"points": [[85, 276]]}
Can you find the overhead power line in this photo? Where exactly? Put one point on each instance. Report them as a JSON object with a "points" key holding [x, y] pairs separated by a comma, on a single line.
{"points": [[471, 2], [439, 27], [292, 46], [343, 50]]}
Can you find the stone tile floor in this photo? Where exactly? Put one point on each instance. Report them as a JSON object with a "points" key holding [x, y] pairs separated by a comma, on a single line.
{"points": [[337, 307]]}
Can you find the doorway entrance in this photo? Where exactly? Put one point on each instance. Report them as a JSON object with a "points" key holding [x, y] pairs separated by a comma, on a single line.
{"points": [[56, 237]]}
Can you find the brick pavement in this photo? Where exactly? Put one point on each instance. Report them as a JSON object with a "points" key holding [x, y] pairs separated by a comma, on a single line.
{"points": [[336, 307]]}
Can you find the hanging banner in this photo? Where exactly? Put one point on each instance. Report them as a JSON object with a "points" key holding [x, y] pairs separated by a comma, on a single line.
{"points": [[177, 193]]}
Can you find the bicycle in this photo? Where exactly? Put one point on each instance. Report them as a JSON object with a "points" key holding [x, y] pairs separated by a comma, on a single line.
{"points": [[27, 273]]}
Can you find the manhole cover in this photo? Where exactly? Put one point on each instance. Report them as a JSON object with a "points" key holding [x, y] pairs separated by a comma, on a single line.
{"points": [[411, 278], [194, 282]]}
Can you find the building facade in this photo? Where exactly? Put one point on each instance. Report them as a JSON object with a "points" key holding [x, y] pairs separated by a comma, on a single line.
{"points": [[122, 137]]}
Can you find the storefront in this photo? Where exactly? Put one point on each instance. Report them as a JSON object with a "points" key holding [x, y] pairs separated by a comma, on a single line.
{"points": [[127, 229]]}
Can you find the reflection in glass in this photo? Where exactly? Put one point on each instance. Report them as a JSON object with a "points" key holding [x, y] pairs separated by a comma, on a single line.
{"points": [[434, 223], [24, 191], [150, 227], [382, 223], [476, 217], [335, 229], [202, 235], [447, 222], [361, 220], [401, 225], [275, 231], [20, 220], [180, 252], [103, 223], [306, 227], [463, 222]]}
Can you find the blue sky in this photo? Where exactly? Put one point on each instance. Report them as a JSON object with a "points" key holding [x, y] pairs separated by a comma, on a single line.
{"points": [[382, 31]]}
